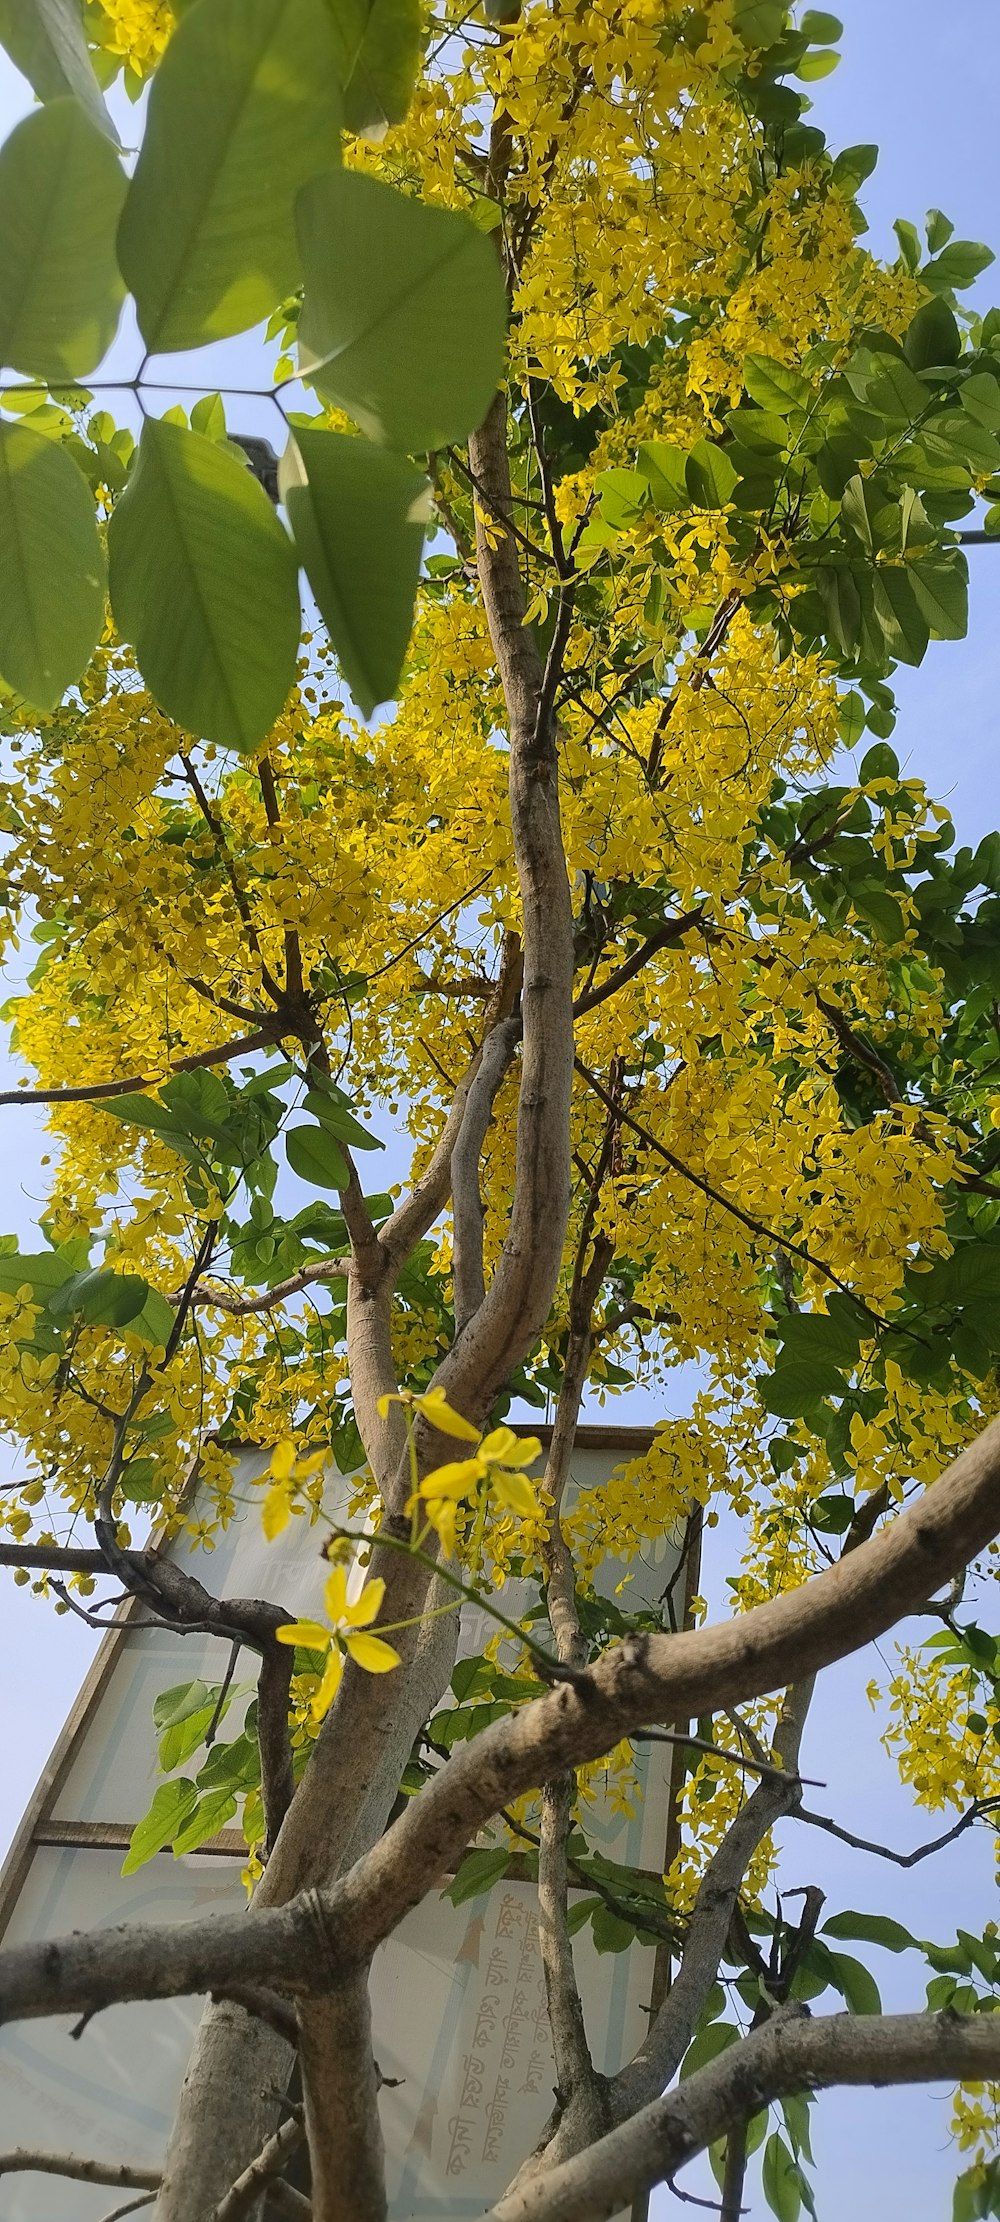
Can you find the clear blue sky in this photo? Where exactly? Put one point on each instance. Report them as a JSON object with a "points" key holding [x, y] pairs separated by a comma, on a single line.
{"points": [[922, 81]]}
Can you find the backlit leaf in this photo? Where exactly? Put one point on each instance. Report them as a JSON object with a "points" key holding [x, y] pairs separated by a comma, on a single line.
{"points": [[404, 315], [203, 583], [379, 55], [313, 1154], [358, 514], [244, 107], [46, 42], [52, 566], [61, 193]]}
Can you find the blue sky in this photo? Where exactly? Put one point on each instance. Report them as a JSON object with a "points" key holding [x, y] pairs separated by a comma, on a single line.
{"points": [[921, 81]]}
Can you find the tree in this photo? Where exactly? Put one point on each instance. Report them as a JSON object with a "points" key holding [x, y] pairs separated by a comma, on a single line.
{"points": [[678, 991]]}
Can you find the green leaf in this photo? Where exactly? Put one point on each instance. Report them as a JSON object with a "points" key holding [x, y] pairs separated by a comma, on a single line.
{"points": [[710, 475], [172, 1803], [609, 1931], [341, 1121], [897, 393], [52, 566], [210, 1815], [821, 63], [852, 166], [313, 1154], [244, 107], [378, 56], [774, 386], [103, 1298], [871, 1928], [820, 28], [855, 1983], [792, 1390], [46, 42], [851, 719], [933, 339], [941, 586], [980, 396], [880, 762], [404, 317], [358, 515], [905, 629], [477, 1873], [178, 1703], [203, 583], [715, 2038], [881, 910], [939, 230], [842, 606], [665, 471], [780, 2180], [909, 242], [958, 266], [61, 193]]}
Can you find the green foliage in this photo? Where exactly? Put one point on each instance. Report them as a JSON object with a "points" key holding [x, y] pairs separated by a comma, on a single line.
{"points": [[52, 562], [404, 314], [45, 41], [378, 44], [358, 518], [61, 194], [203, 581], [244, 107]]}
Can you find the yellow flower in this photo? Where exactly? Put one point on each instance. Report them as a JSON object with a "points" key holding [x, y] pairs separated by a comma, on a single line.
{"points": [[344, 1637], [433, 1406], [495, 1462]]}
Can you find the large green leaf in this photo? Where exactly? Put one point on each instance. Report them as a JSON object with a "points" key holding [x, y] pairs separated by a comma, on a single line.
{"points": [[405, 312], [794, 1389], [51, 564], [358, 515], [172, 1804], [379, 52], [61, 193], [314, 1155], [45, 41], [941, 586], [204, 584], [244, 107]]}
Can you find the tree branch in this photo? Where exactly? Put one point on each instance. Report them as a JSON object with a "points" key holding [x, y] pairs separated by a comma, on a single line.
{"points": [[975, 1812], [118, 2173], [271, 2159], [341, 2084], [304, 1946], [264, 1038], [663, 2048], [467, 1203], [792, 2053]]}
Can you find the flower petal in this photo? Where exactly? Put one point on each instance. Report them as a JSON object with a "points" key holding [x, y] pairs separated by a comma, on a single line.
{"points": [[453, 1480], [515, 1492], [282, 1459], [335, 1594], [308, 1633], [329, 1686], [435, 1408], [366, 1607], [371, 1653]]}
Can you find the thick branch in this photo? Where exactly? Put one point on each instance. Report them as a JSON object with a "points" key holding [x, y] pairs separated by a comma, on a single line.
{"points": [[517, 1302], [341, 2083], [792, 2053]]}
